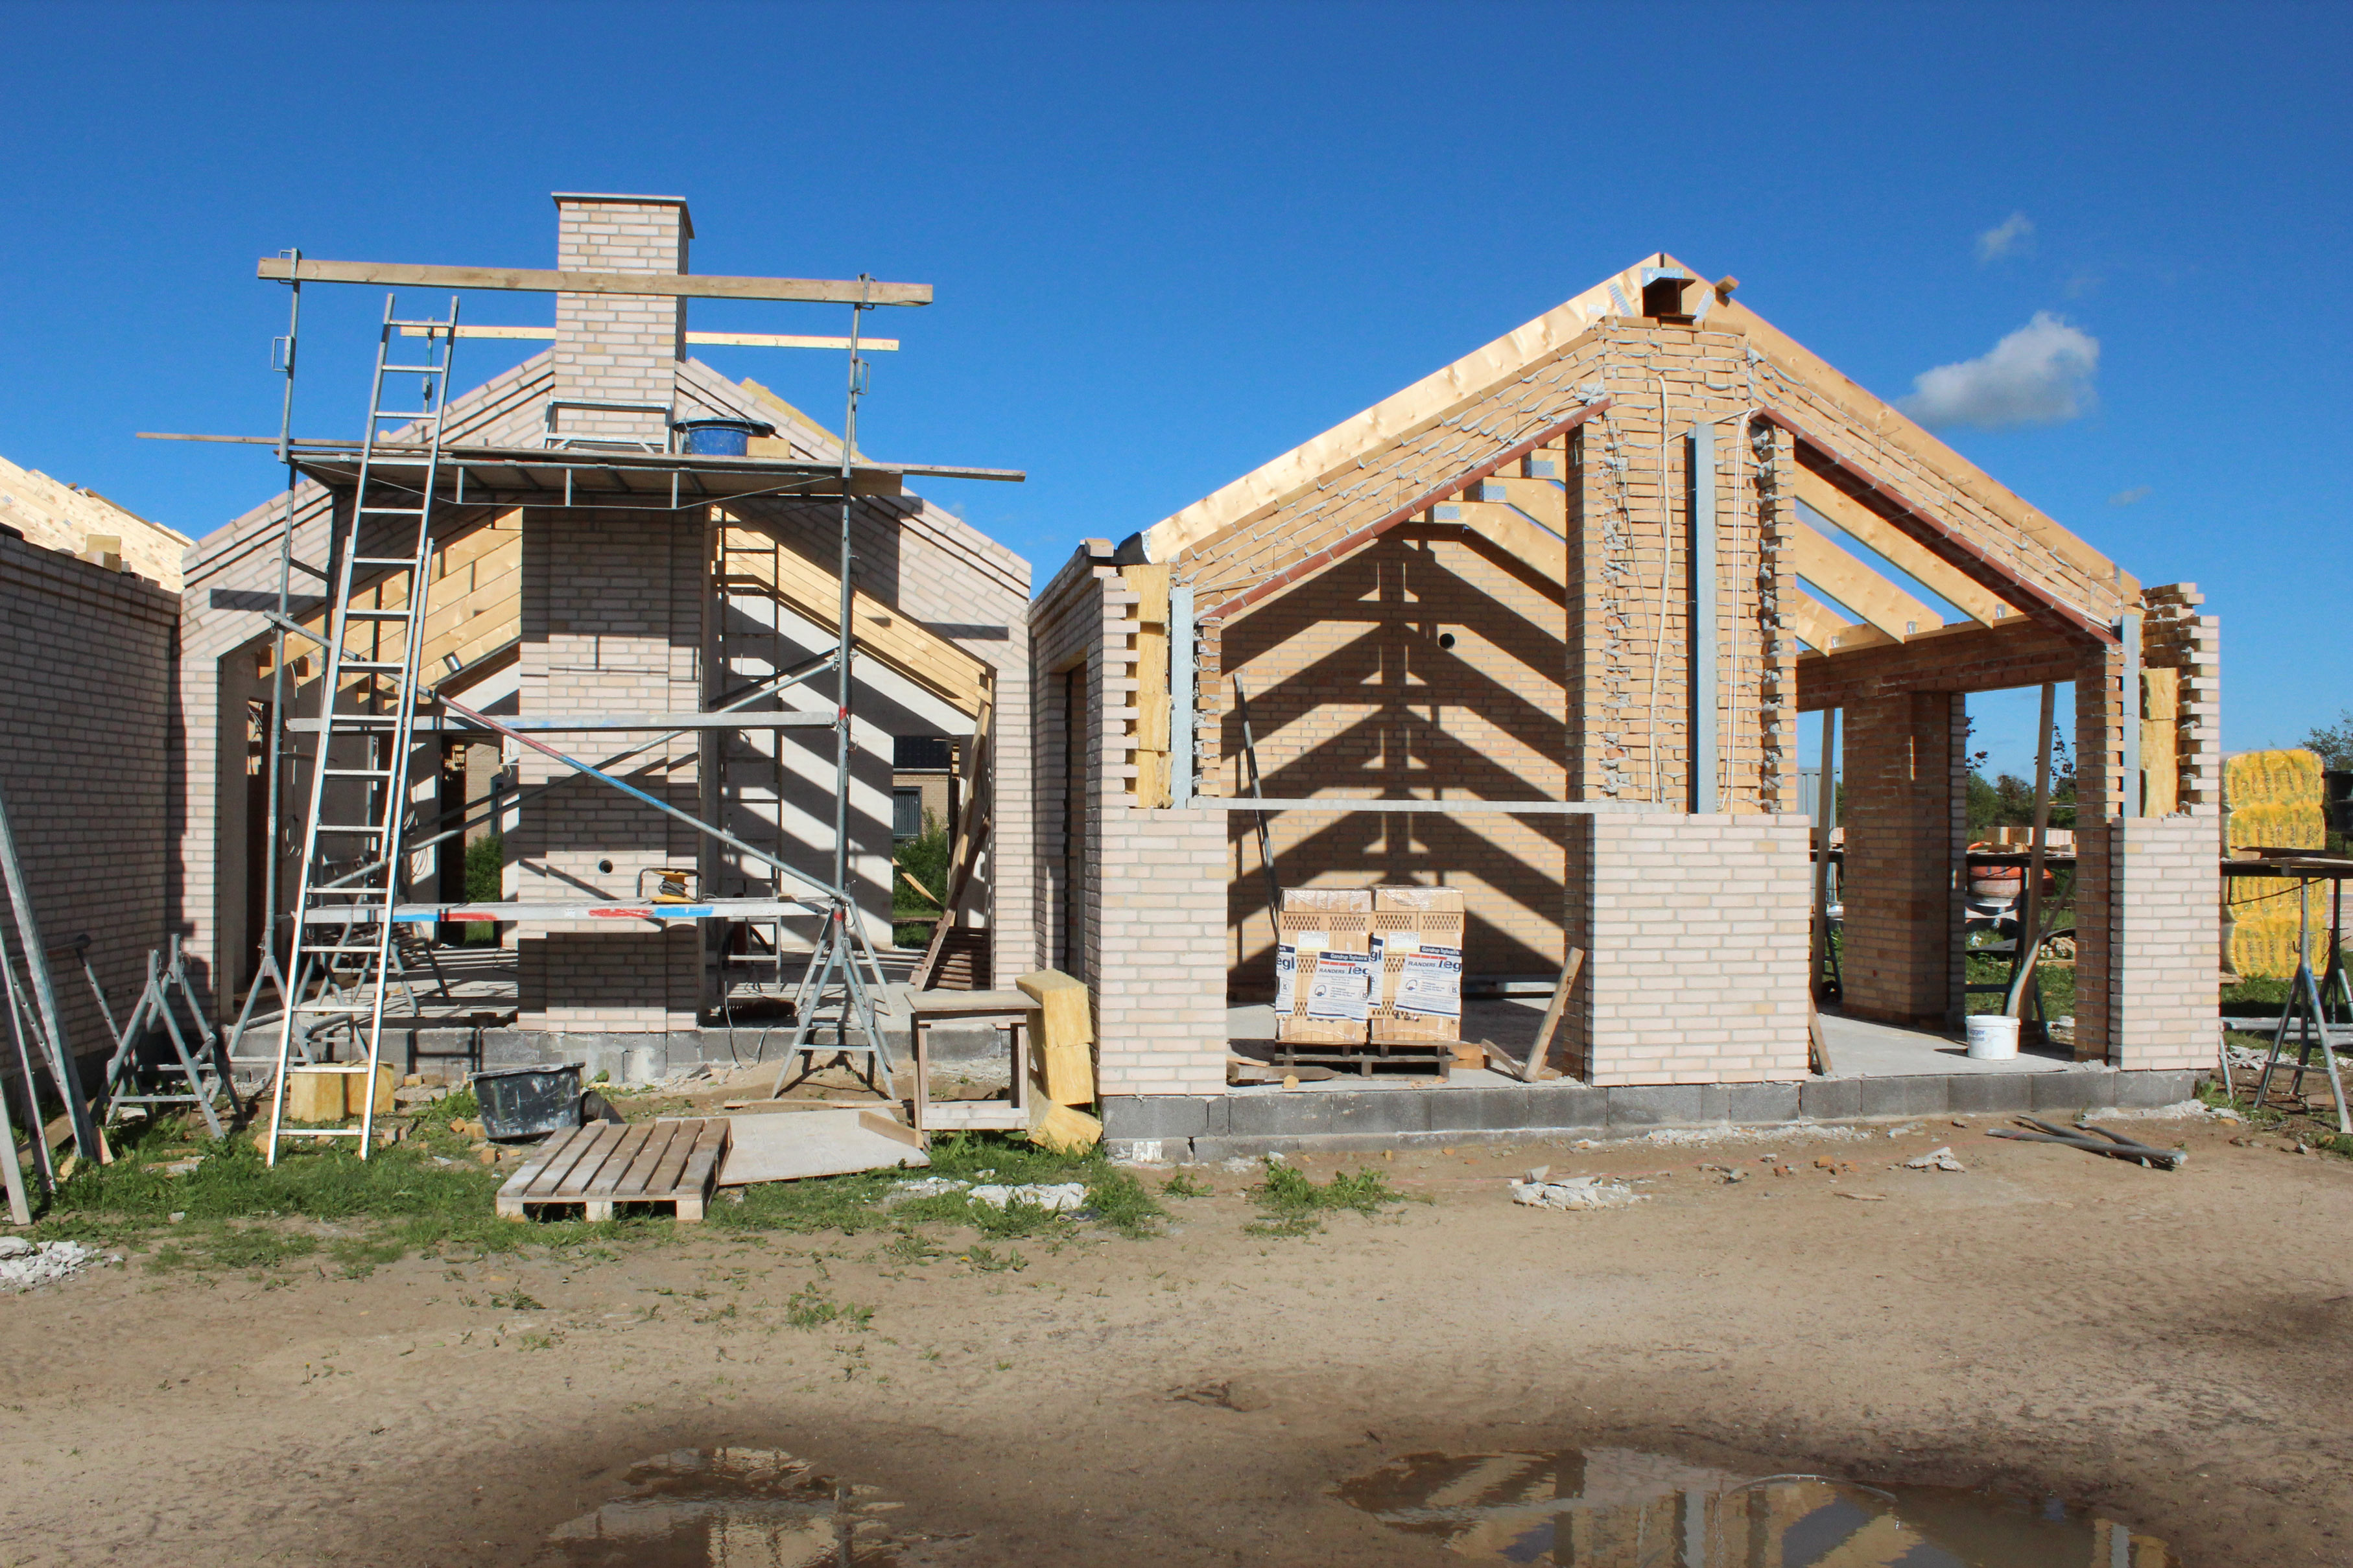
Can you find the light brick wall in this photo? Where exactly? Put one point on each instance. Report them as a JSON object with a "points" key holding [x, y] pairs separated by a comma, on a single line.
{"points": [[619, 348], [2164, 935], [612, 623], [1905, 815], [1160, 1001], [1695, 931], [1351, 693], [85, 707]]}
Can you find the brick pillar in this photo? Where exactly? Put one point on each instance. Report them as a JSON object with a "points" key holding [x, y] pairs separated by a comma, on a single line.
{"points": [[1696, 935], [619, 348], [1905, 818], [2099, 781], [612, 623]]}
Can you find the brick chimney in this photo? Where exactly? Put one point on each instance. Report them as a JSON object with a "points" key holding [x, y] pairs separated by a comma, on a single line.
{"points": [[619, 348]]}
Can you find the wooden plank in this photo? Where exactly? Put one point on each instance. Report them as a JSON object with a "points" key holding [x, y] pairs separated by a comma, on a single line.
{"points": [[1507, 527], [532, 280], [755, 557], [674, 1156], [1859, 588], [1907, 553], [592, 1160], [518, 1183], [635, 1181], [590, 1147], [1545, 500], [1816, 622], [701, 1170], [562, 1152], [792, 1145], [616, 1164], [1554, 1010], [700, 340]]}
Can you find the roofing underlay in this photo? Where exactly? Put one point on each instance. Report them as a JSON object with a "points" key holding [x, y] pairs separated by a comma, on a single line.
{"points": [[1449, 427]]}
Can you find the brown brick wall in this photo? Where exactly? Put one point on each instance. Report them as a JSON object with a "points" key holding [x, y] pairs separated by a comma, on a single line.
{"points": [[86, 689]]}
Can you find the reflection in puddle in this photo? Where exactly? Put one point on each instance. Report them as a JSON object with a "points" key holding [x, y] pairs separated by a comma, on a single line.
{"points": [[1614, 1507], [729, 1508]]}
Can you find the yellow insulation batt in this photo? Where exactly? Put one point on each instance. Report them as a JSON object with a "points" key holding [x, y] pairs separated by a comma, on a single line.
{"points": [[2272, 800]]}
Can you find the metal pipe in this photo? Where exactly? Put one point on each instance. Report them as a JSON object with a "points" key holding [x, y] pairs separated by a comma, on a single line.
{"points": [[721, 833], [45, 995]]}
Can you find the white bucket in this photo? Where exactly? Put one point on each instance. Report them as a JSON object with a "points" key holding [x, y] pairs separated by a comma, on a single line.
{"points": [[1993, 1036]]}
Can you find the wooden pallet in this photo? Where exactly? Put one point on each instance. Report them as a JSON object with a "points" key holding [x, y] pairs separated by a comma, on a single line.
{"points": [[606, 1164]]}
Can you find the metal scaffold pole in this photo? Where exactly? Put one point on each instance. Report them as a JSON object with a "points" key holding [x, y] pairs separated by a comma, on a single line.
{"points": [[266, 969]]}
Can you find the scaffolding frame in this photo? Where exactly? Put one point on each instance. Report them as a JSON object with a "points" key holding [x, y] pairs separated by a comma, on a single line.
{"points": [[842, 960]]}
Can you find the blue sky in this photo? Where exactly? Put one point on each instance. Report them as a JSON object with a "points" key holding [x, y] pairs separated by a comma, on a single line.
{"points": [[1171, 241]]}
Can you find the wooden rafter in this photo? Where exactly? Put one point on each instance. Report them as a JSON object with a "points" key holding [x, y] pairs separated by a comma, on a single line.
{"points": [[756, 559], [1906, 552], [1847, 580]]}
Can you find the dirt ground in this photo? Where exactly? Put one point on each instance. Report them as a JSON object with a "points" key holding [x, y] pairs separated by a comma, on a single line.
{"points": [[2170, 1349]]}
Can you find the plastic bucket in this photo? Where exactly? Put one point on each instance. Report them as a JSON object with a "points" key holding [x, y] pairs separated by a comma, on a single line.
{"points": [[1993, 1036], [526, 1101], [721, 438]]}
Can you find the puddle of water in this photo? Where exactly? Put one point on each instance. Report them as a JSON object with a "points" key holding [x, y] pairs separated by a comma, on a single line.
{"points": [[1615, 1508], [728, 1508]]}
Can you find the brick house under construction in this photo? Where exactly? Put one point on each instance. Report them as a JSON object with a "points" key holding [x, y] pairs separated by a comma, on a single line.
{"points": [[1564, 601], [612, 602]]}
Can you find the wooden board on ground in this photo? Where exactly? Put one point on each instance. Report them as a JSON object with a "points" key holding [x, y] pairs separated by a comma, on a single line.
{"points": [[789, 1145], [606, 1164]]}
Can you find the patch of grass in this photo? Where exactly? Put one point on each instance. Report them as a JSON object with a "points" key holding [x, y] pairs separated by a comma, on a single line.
{"points": [[909, 1248], [1181, 1185], [361, 1256], [988, 1262], [850, 1204], [811, 1308], [1294, 1206], [1119, 1201], [515, 1301], [258, 1248]]}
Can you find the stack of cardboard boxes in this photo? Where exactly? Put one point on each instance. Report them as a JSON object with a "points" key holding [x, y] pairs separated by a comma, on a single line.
{"points": [[1374, 965]]}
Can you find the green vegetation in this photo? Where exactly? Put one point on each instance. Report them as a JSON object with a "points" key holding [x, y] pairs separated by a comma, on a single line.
{"points": [[485, 870], [1294, 1206], [926, 858]]}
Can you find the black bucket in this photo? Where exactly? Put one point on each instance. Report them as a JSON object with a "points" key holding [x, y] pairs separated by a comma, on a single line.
{"points": [[526, 1101]]}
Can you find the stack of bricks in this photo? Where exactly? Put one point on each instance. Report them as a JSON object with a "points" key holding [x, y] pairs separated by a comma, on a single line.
{"points": [[86, 666], [619, 348], [1354, 692], [1774, 453], [1695, 930]]}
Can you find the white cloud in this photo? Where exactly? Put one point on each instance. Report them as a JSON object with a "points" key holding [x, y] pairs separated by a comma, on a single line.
{"points": [[2013, 236], [2126, 497], [2040, 375]]}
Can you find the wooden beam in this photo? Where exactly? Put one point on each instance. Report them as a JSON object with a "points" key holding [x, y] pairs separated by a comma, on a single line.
{"points": [[1817, 624], [1908, 553], [712, 340], [529, 280], [1509, 530], [1543, 500], [1861, 589], [882, 632]]}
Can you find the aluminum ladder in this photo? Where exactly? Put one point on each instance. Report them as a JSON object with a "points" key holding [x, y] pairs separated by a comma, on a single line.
{"points": [[358, 807]]}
